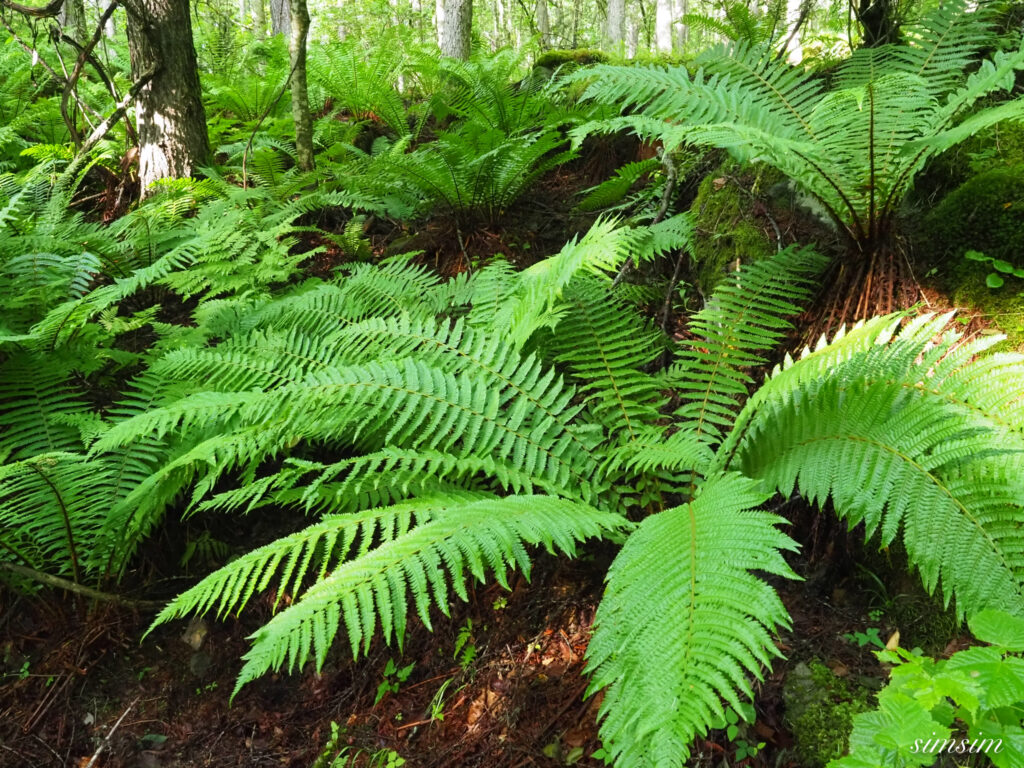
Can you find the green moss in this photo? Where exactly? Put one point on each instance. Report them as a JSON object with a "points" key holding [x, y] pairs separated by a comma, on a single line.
{"points": [[819, 711], [995, 147], [984, 214], [727, 231], [1002, 307], [569, 60]]}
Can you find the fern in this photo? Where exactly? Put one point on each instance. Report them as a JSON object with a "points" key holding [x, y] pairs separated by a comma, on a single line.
{"points": [[395, 551], [683, 620], [856, 147]]}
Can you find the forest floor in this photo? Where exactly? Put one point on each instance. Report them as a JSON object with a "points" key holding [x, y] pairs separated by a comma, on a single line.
{"points": [[499, 684]]}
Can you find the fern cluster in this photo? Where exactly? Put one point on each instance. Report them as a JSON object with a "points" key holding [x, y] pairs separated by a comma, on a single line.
{"points": [[855, 146]]}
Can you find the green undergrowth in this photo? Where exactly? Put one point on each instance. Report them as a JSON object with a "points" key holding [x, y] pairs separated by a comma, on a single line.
{"points": [[820, 708], [727, 233]]}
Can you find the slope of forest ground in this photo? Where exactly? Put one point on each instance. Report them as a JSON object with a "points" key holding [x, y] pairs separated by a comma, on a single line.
{"points": [[679, 377], [500, 683]]}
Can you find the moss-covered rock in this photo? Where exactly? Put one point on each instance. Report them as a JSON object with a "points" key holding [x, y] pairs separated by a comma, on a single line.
{"points": [[569, 60], [728, 233], [998, 146], [819, 712], [984, 214]]}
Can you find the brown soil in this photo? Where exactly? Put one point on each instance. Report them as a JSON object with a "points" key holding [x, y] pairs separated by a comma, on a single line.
{"points": [[77, 678]]}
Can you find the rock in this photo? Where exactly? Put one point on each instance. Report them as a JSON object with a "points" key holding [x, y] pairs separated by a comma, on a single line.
{"points": [[819, 712], [195, 633]]}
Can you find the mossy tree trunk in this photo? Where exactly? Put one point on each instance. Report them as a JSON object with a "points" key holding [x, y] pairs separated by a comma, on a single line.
{"points": [[299, 22]]}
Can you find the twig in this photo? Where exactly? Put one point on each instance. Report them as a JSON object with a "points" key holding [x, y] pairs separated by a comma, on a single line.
{"points": [[104, 128], [665, 310], [85, 55], [50, 9], [70, 586], [666, 196], [110, 733]]}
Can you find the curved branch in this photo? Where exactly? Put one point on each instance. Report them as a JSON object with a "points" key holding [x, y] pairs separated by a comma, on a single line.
{"points": [[49, 10]]}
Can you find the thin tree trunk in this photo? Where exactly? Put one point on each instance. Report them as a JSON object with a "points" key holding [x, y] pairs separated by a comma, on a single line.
{"points": [[299, 23], [72, 20], [543, 23], [259, 18], [438, 18], [663, 26], [795, 14], [169, 110], [280, 19], [682, 29], [454, 29], [615, 23], [632, 38]]}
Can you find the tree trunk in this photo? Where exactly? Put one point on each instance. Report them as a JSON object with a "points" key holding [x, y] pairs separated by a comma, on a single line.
{"points": [[632, 38], [543, 24], [438, 18], [300, 95], [663, 26], [453, 31], [878, 22], [615, 24], [795, 14], [682, 28], [72, 20], [280, 19], [169, 109], [259, 18]]}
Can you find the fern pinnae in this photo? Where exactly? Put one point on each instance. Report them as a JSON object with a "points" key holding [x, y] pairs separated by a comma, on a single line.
{"points": [[684, 619], [473, 535], [231, 587]]}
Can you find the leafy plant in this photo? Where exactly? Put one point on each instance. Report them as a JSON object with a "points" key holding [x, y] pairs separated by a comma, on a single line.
{"points": [[394, 676], [463, 446], [971, 703], [1000, 267], [854, 147]]}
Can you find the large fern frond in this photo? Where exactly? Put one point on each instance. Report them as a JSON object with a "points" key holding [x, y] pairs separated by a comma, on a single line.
{"points": [[746, 316], [911, 438], [409, 556], [684, 621]]}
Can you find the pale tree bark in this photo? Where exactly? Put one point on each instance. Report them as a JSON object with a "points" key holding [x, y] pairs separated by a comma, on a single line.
{"points": [[259, 18], [663, 26], [615, 23], [169, 110], [543, 24], [300, 95], [795, 13], [72, 20], [438, 18], [682, 7], [454, 30], [280, 19], [632, 38]]}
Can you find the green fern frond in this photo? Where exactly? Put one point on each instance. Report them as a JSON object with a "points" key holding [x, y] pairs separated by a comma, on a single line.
{"points": [[929, 448], [684, 621], [606, 346], [745, 317], [612, 190], [453, 539]]}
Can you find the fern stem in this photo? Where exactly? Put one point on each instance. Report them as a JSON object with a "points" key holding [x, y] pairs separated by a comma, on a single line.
{"points": [[67, 521]]}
